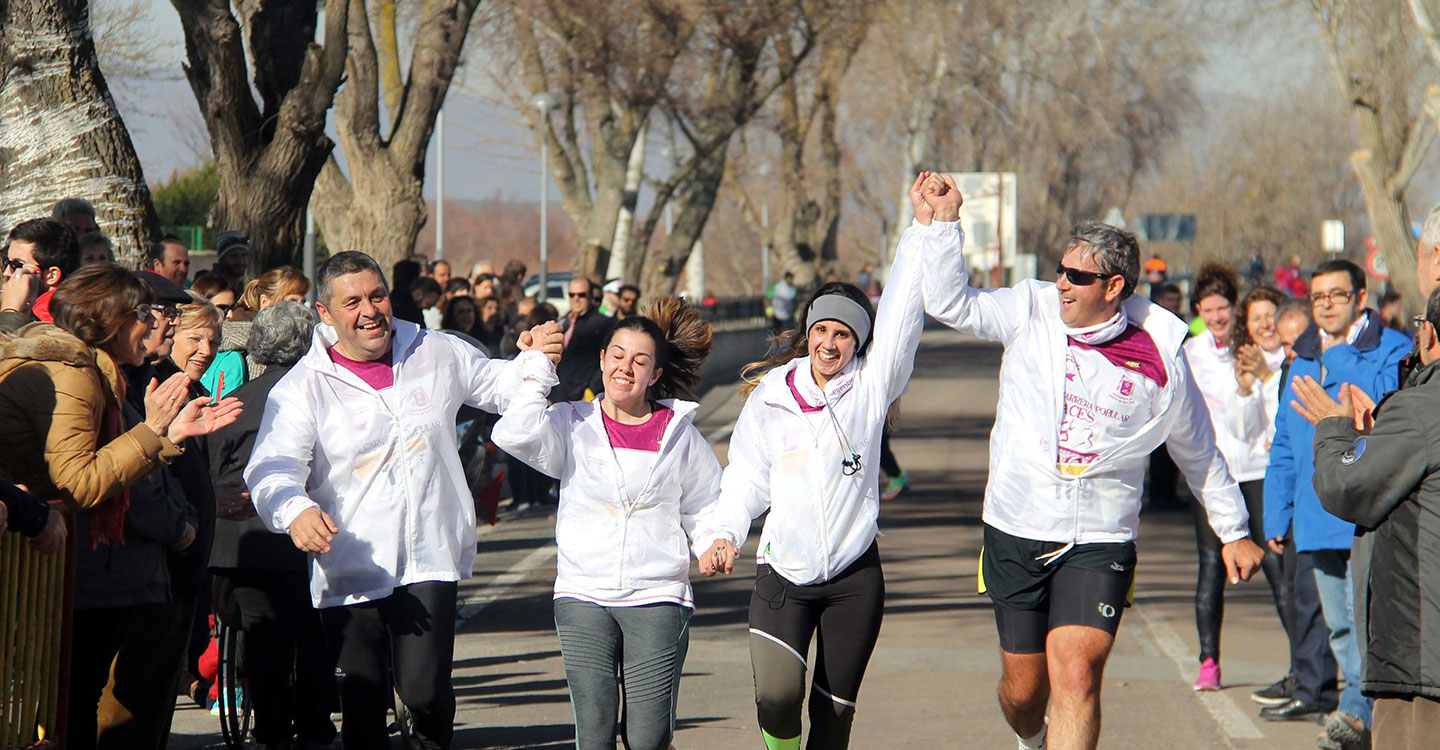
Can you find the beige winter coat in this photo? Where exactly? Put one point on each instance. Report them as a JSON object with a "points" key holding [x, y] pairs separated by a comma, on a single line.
{"points": [[54, 393]]}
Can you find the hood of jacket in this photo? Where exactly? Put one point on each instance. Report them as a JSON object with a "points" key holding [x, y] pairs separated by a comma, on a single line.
{"points": [[1310, 345], [47, 342]]}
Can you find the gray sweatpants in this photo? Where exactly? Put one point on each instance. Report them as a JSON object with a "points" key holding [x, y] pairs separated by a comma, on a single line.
{"points": [[641, 649]]}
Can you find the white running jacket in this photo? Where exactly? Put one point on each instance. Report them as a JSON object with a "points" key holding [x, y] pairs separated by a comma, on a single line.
{"points": [[604, 541], [1239, 434], [1027, 495], [383, 464], [789, 462]]}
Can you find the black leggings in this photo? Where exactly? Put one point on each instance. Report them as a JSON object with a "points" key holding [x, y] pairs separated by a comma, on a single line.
{"points": [[1210, 584], [844, 614], [888, 464], [411, 633]]}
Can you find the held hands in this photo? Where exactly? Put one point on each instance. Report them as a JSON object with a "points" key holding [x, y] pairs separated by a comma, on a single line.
{"points": [[720, 558], [313, 530], [1242, 559], [935, 197], [52, 537], [1315, 405], [545, 337]]}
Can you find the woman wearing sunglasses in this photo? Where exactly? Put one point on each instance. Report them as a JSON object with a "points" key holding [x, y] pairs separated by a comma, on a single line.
{"points": [[806, 447], [1093, 379]]}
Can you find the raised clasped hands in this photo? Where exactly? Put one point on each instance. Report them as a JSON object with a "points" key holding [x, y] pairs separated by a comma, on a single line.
{"points": [[720, 558], [546, 338], [935, 197]]}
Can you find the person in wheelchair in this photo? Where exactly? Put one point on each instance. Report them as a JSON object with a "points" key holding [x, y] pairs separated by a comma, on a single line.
{"points": [[262, 579]]}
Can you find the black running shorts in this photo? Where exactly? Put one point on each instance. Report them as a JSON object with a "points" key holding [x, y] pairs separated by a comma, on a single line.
{"points": [[1090, 584]]}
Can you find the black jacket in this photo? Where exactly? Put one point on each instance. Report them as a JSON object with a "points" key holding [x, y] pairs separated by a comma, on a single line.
{"points": [[135, 571], [1388, 484], [191, 471], [579, 366], [26, 513], [246, 545]]}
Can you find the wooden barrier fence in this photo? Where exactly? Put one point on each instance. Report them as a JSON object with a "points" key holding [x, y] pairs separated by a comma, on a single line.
{"points": [[36, 597]]}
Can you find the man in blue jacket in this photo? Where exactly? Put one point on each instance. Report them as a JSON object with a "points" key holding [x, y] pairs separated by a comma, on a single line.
{"points": [[1347, 344]]}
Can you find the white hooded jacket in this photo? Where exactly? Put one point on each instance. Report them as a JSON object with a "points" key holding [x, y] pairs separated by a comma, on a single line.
{"points": [[384, 465], [1027, 495], [604, 541], [1240, 433], [789, 462]]}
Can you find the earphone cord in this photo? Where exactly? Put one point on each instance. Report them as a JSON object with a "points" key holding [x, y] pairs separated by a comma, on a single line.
{"points": [[850, 454]]}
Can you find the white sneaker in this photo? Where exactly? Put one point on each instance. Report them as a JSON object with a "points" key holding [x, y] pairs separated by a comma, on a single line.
{"points": [[1034, 743]]}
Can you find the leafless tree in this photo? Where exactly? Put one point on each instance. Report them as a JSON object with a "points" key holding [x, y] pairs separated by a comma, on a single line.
{"points": [[267, 152], [1379, 70], [60, 133], [375, 203]]}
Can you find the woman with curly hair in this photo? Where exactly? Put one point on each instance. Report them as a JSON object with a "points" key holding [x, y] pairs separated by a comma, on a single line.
{"points": [[636, 480]]}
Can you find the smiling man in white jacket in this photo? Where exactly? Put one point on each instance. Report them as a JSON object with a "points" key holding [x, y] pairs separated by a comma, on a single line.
{"points": [[1093, 379], [356, 460]]}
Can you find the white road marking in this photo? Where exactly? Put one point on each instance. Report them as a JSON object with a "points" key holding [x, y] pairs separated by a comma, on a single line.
{"points": [[1235, 723], [497, 588]]}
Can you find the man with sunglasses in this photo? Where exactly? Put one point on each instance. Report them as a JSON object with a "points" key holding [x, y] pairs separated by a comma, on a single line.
{"points": [[38, 254], [1347, 343], [585, 331], [1094, 379]]}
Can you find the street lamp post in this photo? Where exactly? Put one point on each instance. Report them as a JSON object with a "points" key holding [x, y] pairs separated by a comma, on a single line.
{"points": [[544, 102]]}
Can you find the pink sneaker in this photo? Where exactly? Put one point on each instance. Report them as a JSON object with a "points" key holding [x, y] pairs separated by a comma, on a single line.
{"points": [[1209, 678]]}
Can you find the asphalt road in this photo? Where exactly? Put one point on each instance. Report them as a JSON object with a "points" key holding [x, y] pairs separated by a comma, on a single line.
{"points": [[932, 678]]}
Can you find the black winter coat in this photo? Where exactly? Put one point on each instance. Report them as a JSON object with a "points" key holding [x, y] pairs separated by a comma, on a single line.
{"points": [[1388, 484], [246, 545], [579, 366]]}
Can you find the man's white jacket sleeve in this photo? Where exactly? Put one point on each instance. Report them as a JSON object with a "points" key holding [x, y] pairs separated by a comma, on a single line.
{"points": [[280, 462], [991, 314], [1192, 444]]}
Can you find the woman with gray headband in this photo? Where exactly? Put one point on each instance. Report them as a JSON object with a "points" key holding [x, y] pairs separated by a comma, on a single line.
{"points": [[806, 448]]}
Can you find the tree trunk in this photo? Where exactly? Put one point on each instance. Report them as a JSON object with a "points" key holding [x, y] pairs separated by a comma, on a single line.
{"points": [[60, 134], [267, 159], [660, 271], [1391, 227], [379, 208]]}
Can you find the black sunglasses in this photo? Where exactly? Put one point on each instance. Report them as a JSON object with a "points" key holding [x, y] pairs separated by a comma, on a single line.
{"points": [[1078, 277], [15, 264]]}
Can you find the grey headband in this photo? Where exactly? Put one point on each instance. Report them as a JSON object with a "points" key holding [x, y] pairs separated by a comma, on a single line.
{"points": [[842, 308]]}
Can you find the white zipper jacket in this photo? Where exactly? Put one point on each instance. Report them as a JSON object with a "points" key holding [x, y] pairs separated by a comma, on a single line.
{"points": [[384, 465], [1246, 451], [1027, 495], [789, 461], [606, 540]]}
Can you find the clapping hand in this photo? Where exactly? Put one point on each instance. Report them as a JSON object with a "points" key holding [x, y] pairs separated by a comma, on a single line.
{"points": [[720, 558], [1315, 405], [201, 416]]}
